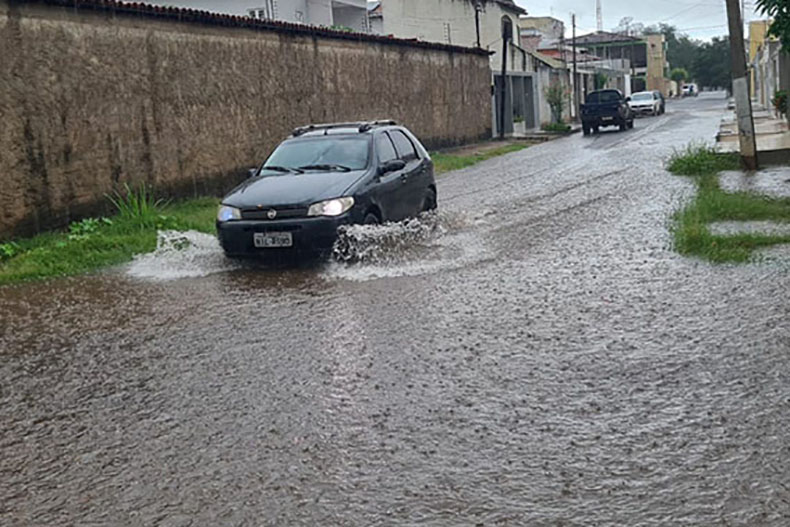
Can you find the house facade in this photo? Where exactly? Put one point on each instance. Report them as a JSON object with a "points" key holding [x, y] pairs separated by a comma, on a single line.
{"points": [[545, 38], [469, 23], [770, 70], [541, 32], [758, 38], [349, 14], [646, 57]]}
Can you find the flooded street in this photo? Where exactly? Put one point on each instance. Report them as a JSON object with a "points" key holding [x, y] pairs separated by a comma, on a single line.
{"points": [[534, 355]]}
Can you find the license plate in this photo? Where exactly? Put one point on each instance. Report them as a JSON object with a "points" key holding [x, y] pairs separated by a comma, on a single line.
{"points": [[606, 118], [269, 240]]}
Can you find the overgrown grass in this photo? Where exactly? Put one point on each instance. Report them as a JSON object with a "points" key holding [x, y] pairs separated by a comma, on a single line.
{"points": [[691, 233], [445, 162], [94, 243]]}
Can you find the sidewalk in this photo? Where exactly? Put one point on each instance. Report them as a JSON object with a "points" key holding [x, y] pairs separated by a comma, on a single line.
{"points": [[773, 137], [536, 134]]}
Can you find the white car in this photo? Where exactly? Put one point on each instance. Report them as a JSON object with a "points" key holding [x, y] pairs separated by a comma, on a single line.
{"points": [[690, 90], [645, 103]]}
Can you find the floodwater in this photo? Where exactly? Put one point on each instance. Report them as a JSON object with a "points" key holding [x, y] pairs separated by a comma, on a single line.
{"points": [[535, 354]]}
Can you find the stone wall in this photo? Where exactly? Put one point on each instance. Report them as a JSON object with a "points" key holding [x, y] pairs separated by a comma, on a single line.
{"points": [[97, 96]]}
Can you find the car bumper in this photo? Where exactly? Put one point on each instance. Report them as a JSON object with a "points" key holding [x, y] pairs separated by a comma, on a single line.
{"points": [[603, 120], [311, 236], [643, 110]]}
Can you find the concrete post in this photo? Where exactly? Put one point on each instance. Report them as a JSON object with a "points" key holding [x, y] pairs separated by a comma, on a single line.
{"points": [[740, 87], [575, 75]]}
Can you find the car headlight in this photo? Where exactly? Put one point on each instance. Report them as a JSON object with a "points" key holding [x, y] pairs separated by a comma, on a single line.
{"points": [[226, 213], [332, 207]]}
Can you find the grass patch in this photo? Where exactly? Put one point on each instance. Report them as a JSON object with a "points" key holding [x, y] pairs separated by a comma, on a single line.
{"points": [[94, 243], [701, 160], [446, 162], [691, 233]]}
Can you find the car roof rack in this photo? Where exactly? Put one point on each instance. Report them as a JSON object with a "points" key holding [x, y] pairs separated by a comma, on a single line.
{"points": [[361, 126]]}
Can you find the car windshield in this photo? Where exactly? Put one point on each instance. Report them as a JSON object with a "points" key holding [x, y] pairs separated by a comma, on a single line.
{"points": [[326, 152], [642, 97], [603, 96]]}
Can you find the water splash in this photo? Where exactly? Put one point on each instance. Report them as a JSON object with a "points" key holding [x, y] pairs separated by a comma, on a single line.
{"points": [[430, 243], [181, 255], [385, 243]]}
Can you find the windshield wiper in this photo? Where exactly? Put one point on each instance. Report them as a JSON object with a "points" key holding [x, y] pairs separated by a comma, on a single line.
{"points": [[342, 168], [282, 169]]}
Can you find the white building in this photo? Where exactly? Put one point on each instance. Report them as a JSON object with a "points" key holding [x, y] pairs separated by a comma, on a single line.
{"points": [[472, 23], [350, 14]]}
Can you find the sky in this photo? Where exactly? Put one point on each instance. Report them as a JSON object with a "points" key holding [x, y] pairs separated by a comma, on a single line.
{"points": [[701, 19]]}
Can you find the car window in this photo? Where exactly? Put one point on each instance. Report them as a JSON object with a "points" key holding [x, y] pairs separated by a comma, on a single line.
{"points": [[642, 97], [603, 97], [403, 145], [385, 149], [351, 152]]}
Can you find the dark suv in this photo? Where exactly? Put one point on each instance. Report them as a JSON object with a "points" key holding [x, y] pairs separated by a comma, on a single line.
{"points": [[606, 108], [320, 178]]}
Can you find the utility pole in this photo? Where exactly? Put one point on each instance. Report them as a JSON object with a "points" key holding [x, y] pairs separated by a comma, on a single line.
{"points": [[740, 87], [507, 34], [575, 86], [599, 15], [478, 8]]}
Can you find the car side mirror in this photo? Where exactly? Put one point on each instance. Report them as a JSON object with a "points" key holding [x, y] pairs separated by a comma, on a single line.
{"points": [[391, 166], [253, 172], [628, 99]]}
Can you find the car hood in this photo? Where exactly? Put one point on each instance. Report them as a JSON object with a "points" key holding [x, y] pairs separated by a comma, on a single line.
{"points": [[641, 103], [292, 189]]}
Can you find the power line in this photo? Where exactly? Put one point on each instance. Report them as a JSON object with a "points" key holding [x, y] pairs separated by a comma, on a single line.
{"points": [[683, 11]]}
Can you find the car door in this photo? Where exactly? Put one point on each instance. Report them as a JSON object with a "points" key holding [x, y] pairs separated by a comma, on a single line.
{"points": [[391, 189], [415, 172]]}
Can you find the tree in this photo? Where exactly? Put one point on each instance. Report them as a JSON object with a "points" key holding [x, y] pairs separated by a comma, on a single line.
{"points": [[779, 10], [712, 64], [679, 75], [601, 80], [627, 26], [556, 95], [681, 50]]}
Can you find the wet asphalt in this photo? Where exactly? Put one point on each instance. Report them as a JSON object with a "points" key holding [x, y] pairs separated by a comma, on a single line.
{"points": [[536, 355]]}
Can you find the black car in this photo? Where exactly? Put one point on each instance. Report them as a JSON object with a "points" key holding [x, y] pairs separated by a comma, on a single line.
{"points": [[606, 108], [321, 178]]}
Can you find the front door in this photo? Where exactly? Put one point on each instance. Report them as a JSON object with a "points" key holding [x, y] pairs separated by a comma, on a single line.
{"points": [[417, 175], [392, 189]]}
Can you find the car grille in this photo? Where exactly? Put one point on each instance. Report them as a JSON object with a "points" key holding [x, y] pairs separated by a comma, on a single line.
{"points": [[282, 213]]}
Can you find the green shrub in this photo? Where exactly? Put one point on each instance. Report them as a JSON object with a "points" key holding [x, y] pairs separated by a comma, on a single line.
{"points": [[9, 250], [555, 127], [83, 229], [139, 207], [780, 102]]}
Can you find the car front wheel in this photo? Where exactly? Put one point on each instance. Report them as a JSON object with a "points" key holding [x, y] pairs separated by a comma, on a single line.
{"points": [[429, 203]]}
